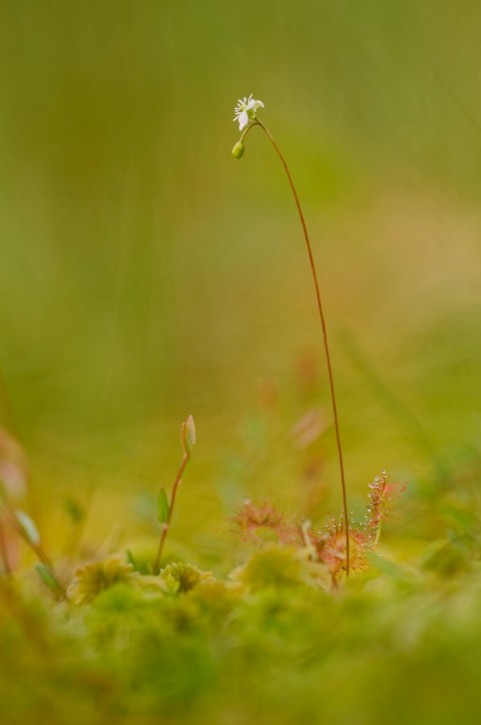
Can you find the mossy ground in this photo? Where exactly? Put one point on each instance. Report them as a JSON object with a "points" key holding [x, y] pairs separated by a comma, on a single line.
{"points": [[269, 643]]}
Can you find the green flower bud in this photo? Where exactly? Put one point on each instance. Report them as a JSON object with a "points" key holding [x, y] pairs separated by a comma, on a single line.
{"points": [[238, 150], [188, 435]]}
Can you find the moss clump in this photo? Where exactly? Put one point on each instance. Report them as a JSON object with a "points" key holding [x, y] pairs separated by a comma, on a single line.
{"points": [[92, 579], [281, 567], [180, 577]]}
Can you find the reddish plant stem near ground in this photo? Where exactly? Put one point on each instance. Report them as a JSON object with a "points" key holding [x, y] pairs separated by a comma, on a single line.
{"points": [[173, 496]]}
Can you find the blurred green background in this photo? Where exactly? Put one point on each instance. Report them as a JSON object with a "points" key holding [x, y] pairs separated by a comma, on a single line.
{"points": [[146, 275]]}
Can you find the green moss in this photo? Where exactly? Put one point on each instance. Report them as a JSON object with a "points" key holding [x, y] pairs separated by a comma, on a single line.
{"points": [[180, 577], [276, 642], [281, 567]]}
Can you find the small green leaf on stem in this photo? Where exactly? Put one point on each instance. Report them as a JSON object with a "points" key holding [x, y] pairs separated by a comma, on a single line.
{"points": [[47, 578], [74, 510], [28, 528], [162, 507]]}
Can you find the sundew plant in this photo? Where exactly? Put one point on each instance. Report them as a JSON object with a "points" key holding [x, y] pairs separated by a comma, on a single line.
{"points": [[280, 616]]}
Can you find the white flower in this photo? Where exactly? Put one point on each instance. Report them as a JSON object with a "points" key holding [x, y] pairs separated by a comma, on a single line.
{"points": [[245, 111]]}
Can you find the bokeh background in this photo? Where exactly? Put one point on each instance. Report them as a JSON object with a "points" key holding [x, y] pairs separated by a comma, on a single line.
{"points": [[145, 274]]}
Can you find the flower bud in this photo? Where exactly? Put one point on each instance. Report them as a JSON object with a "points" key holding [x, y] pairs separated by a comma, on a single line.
{"points": [[188, 435], [238, 150]]}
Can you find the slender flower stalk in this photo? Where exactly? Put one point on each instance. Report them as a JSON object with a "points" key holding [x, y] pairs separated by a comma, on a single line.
{"points": [[248, 109], [166, 524], [165, 510], [27, 529]]}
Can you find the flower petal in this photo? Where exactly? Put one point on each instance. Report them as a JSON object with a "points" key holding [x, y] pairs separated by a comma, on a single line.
{"points": [[243, 120]]}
